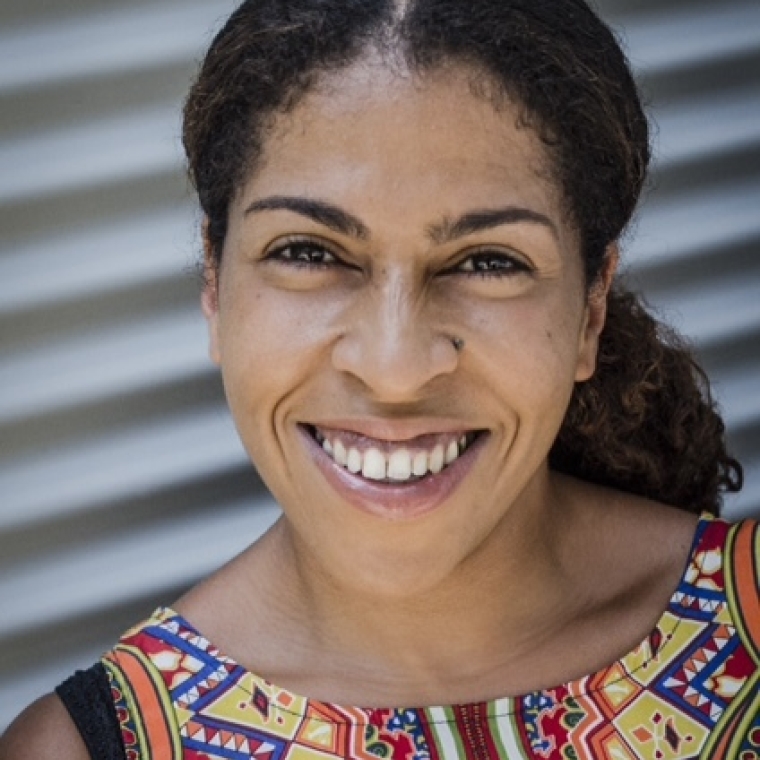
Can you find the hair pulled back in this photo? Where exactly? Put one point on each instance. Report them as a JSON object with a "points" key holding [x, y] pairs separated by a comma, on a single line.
{"points": [[646, 422]]}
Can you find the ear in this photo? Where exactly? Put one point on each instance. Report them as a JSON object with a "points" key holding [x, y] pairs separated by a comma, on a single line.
{"points": [[210, 296], [596, 314]]}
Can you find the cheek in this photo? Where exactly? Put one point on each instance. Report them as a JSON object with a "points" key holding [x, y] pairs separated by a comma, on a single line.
{"points": [[528, 347], [270, 341]]}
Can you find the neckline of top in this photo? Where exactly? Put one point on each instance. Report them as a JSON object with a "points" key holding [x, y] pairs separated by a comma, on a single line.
{"points": [[605, 678]]}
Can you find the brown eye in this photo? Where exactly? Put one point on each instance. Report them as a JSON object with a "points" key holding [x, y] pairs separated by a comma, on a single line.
{"points": [[303, 253], [492, 264]]}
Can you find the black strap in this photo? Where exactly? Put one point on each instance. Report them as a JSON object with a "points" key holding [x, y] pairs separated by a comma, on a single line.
{"points": [[87, 697]]}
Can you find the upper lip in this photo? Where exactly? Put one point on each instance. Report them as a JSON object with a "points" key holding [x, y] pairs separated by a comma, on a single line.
{"points": [[394, 430]]}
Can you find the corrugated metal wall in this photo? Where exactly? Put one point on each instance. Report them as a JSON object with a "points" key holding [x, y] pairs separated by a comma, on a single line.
{"points": [[122, 480]]}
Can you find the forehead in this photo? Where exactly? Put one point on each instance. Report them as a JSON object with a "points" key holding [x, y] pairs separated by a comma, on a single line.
{"points": [[406, 141]]}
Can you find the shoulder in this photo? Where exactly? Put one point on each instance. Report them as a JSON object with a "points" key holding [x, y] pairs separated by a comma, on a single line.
{"points": [[727, 556], [635, 552], [642, 539], [44, 731], [743, 541], [741, 553]]}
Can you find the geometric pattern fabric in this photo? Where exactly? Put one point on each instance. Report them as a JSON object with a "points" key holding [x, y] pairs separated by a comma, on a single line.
{"points": [[690, 690]]}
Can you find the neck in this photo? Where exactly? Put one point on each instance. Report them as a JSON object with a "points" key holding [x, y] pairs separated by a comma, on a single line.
{"points": [[503, 598], [580, 565]]}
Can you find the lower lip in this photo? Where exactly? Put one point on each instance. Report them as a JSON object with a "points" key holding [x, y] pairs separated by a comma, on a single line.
{"points": [[401, 501]]}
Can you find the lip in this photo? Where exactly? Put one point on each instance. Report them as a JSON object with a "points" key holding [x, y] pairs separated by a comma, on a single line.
{"points": [[392, 501], [393, 431]]}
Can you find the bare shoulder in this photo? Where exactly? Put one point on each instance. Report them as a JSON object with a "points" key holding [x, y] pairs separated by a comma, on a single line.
{"points": [[636, 542], [662, 535], [44, 731]]}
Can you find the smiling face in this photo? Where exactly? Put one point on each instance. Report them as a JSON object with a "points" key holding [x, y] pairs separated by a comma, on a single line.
{"points": [[400, 317]]}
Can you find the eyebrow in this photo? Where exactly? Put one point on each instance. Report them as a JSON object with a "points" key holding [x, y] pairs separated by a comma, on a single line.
{"points": [[341, 221], [487, 219], [321, 212]]}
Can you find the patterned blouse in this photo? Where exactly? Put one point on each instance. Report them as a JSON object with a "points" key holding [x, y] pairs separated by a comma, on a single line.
{"points": [[690, 690]]}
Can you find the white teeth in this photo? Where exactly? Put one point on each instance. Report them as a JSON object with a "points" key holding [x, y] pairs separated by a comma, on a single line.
{"points": [[354, 461], [400, 465], [374, 465], [420, 464], [436, 460], [340, 455]]}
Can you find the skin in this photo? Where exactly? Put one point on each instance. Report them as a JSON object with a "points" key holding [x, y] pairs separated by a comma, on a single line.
{"points": [[366, 337], [43, 731], [535, 578]]}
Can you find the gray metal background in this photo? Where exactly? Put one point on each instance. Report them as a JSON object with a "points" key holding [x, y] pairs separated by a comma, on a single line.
{"points": [[122, 480]]}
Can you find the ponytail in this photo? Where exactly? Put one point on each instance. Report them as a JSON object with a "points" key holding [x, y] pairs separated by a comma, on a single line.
{"points": [[646, 421]]}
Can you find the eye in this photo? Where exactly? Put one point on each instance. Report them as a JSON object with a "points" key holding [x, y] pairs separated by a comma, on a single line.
{"points": [[303, 253], [492, 264]]}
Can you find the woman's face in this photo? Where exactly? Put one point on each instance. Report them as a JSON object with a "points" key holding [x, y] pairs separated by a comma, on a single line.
{"points": [[390, 217]]}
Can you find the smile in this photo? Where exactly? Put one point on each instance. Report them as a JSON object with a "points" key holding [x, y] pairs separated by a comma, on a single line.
{"points": [[389, 461], [397, 479]]}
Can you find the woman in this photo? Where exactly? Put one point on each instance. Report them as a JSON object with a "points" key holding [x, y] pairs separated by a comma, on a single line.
{"points": [[491, 461]]}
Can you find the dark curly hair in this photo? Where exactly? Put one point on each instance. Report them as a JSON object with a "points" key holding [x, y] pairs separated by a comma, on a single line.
{"points": [[645, 422]]}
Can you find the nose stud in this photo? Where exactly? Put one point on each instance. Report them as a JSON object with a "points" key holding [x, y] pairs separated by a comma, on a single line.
{"points": [[458, 344]]}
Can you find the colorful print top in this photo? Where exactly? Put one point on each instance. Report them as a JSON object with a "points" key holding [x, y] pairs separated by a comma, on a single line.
{"points": [[690, 690]]}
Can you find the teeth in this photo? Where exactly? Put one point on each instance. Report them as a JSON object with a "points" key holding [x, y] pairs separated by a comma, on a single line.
{"points": [[374, 465], [339, 454], [400, 465], [354, 461], [420, 464], [436, 459]]}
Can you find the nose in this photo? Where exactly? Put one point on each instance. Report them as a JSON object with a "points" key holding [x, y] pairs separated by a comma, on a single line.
{"points": [[392, 343]]}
